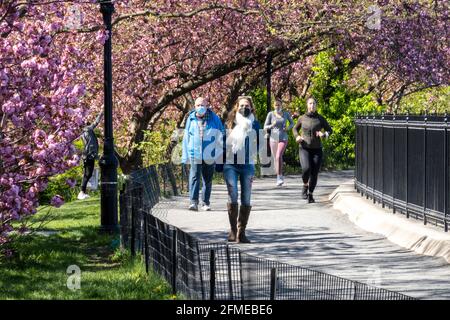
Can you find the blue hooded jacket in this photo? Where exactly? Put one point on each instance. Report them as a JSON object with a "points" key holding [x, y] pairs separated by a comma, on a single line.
{"points": [[210, 147]]}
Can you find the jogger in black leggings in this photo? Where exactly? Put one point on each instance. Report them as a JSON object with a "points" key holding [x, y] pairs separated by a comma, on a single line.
{"points": [[313, 127], [310, 160], [88, 165]]}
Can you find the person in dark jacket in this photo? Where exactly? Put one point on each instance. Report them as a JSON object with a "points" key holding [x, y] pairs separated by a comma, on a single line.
{"points": [[313, 128], [241, 148], [90, 154]]}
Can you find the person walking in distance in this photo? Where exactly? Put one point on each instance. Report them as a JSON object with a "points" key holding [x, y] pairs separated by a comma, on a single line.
{"points": [[313, 128], [276, 123], [90, 154]]}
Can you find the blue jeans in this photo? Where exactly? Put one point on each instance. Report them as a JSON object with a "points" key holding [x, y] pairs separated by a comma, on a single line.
{"points": [[245, 173], [197, 171]]}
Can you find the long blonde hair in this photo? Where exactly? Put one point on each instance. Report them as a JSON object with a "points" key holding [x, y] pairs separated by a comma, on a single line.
{"points": [[232, 114]]}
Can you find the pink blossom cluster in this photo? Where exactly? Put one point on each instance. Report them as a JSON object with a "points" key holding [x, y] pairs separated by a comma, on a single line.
{"points": [[42, 105]]}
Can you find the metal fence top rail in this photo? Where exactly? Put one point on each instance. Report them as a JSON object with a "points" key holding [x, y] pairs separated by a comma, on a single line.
{"points": [[405, 117]]}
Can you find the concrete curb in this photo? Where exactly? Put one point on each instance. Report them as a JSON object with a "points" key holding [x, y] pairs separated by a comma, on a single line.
{"points": [[409, 234]]}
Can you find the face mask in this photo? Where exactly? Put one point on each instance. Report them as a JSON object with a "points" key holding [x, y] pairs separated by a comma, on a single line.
{"points": [[201, 110], [245, 112]]}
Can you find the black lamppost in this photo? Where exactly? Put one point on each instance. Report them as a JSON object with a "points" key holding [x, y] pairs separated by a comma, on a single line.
{"points": [[108, 162]]}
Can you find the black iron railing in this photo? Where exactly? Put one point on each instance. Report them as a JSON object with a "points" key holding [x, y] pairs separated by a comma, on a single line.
{"points": [[402, 162], [205, 270]]}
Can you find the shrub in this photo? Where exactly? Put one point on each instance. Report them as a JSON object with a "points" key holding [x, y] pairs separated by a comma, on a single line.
{"points": [[155, 144]]}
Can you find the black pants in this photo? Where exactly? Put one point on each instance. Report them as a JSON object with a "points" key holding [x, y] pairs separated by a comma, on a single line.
{"points": [[88, 171], [310, 160]]}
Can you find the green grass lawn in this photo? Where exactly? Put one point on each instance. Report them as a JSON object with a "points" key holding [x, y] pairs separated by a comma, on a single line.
{"points": [[38, 268]]}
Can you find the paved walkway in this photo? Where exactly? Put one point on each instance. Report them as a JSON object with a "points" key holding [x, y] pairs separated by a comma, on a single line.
{"points": [[284, 227]]}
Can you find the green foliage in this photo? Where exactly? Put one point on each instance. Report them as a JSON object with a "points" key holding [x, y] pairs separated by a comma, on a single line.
{"points": [[37, 270], [338, 104], [155, 144], [298, 104], [340, 147], [259, 97], [58, 185], [433, 100], [121, 255]]}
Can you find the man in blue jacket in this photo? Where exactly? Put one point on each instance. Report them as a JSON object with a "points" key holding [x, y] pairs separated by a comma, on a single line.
{"points": [[202, 146]]}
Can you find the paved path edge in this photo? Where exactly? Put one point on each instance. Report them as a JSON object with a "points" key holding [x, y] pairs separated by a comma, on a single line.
{"points": [[406, 233]]}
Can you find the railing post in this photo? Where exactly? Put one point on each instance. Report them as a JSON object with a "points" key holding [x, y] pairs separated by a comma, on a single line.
{"points": [[241, 276], [186, 173], [174, 261], [165, 178], [230, 276], [212, 272], [146, 253], [141, 218], [182, 178], [406, 166], [357, 148], [393, 164], [382, 160], [124, 205], [200, 270], [367, 157], [373, 158], [425, 170], [133, 221], [273, 283], [446, 164]]}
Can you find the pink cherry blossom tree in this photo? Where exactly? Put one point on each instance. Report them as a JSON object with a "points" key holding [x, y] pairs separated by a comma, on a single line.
{"points": [[42, 108]]}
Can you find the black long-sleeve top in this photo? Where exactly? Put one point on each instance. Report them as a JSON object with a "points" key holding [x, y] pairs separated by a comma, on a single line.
{"points": [[309, 124]]}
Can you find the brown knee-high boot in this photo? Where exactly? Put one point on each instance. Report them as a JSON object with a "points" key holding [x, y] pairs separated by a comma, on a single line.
{"points": [[232, 216], [244, 214]]}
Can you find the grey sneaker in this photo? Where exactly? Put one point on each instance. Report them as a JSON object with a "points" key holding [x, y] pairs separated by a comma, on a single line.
{"points": [[193, 207], [206, 207]]}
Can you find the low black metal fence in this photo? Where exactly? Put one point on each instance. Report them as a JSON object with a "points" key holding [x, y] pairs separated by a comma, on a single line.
{"points": [[402, 162], [205, 270]]}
